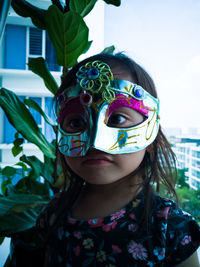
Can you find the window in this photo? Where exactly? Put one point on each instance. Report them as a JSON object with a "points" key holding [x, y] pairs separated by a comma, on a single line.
{"points": [[196, 173], [15, 47], [35, 42], [196, 163], [23, 43], [195, 183]]}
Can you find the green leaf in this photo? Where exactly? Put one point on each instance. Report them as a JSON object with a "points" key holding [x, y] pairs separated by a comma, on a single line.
{"points": [[20, 117], [17, 203], [48, 170], [29, 186], [109, 49], [25, 9], [9, 171], [39, 67], [18, 141], [87, 47], [82, 7], [39, 168], [35, 164], [58, 4], [16, 150], [32, 104], [18, 212], [4, 185], [16, 135], [21, 164], [68, 33], [113, 2]]}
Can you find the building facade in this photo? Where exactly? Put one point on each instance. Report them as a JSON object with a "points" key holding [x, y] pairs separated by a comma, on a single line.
{"points": [[187, 151]]}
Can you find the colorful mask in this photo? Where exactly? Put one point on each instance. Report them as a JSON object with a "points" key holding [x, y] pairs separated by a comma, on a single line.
{"points": [[84, 111]]}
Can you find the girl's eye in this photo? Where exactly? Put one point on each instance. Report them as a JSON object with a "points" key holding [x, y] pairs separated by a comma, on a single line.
{"points": [[74, 124], [116, 119]]}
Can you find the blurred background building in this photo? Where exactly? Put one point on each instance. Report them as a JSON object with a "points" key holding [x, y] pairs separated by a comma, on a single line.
{"points": [[186, 145]]}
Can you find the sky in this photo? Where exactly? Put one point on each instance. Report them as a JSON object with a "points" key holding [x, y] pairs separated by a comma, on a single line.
{"points": [[163, 37]]}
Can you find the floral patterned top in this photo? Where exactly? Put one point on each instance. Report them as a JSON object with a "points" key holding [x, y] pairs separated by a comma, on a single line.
{"points": [[118, 239]]}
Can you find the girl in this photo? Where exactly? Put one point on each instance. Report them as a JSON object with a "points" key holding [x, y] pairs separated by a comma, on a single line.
{"points": [[114, 153]]}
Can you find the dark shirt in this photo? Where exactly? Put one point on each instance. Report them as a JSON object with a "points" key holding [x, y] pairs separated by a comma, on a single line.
{"points": [[120, 239]]}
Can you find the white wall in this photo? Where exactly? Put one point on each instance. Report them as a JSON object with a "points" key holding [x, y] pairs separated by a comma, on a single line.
{"points": [[25, 82]]}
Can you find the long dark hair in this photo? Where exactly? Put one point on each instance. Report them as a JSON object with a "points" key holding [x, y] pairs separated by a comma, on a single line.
{"points": [[159, 164]]}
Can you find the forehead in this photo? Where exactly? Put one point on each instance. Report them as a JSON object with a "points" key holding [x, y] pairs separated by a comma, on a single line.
{"points": [[121, 74]]}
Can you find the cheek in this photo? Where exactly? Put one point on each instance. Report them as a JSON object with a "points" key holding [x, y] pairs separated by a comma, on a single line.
{"points": [[73, 163], [133, 160]]}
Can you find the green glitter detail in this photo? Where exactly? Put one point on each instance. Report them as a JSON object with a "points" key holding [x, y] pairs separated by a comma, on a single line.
{"points": [[100, 83]]}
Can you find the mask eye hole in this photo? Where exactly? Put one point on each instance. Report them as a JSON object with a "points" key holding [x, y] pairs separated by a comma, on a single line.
{"points": [[125, 117], [116, 119], [74, 123]]}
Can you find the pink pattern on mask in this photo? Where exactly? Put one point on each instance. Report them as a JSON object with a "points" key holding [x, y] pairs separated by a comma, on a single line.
{"points": [[124, 101]]}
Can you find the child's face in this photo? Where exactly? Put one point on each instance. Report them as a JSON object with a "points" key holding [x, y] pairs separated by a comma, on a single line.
{"points": [[89, 115], [104, 133], [98, 167]]}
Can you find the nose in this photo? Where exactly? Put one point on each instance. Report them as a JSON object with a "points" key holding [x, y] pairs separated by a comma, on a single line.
{"points": [[94, 151], [97, 121], [101, 136]]}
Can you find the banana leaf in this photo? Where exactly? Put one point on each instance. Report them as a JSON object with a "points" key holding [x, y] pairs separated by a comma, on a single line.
{"points": [[82, 7], [68, 33], [32, 104], [20, 117], [39, 67], [18, 212]]}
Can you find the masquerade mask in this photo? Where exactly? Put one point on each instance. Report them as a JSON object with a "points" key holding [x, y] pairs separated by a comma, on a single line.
{"points": [[84, 113]]}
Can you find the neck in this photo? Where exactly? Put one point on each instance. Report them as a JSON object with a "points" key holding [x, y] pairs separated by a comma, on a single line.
{"points": [[101, 200], [129, 184]]}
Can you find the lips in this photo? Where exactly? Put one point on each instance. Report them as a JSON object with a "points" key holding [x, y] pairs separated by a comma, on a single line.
{"points": [[97, 160]]}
